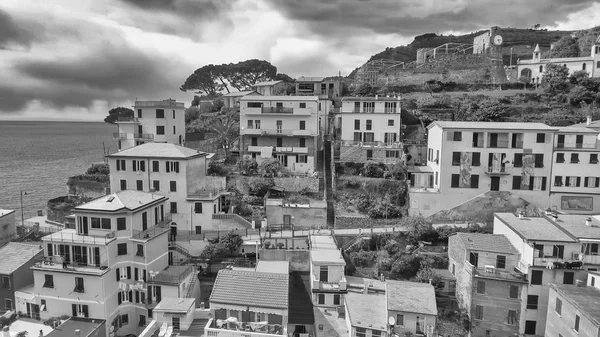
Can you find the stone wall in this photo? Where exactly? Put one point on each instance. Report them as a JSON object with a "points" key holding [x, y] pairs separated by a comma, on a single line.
{"points": [[289, 184], [299, 259], [88, 188], [59, 208], [363, 222]]}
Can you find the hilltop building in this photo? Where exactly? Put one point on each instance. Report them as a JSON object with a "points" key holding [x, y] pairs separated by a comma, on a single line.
{"points": [[270, 88], [327, 267], [153, 121]]}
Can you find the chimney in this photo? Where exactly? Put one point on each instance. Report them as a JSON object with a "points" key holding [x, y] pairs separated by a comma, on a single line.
{"points": [[588, 121], [376, 96], [520, 214], [588, 221]]}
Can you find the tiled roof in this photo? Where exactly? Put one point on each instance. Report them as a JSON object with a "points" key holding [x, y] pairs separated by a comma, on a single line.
{"points": [[493, 243], [534, 228], [159, 150], [239, 287], [309, 79], [575, 224], [576, 129], [266, 83], [585, 299], [492, 125], [239, 93], [15, 254], [594, 124], [128, 199], [280, 98], [412, 297], [367, 310]]}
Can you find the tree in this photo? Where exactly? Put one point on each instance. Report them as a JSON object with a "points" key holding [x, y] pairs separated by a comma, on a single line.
{"points": [[426, 274], [209, 80], [244, 74], [226, 126], [525, 80], [248, 167], [406, 267], [115, 113], [578, 76], [195, 101], [555, 76], [419, 229], [567, 46], [270, 168], [232, 242]]}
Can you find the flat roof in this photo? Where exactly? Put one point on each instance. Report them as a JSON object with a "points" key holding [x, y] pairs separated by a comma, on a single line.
{"points": [[492, 125], [584, 298], [127, 199], [159, 150], [327, 256], [4, 212], [240, 93], [310, 79], [171, 304], [412, 297], [277, 267], [576, 129], [85, 325], [324, 241], [280, 98], [379, 98], [367, 310], [266, 83], [575, 224], [534, 228], [494, 243], [16, 254], [251, 288], [359, 282]]}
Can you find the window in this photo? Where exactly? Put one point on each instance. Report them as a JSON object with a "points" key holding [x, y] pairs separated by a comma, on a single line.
{"points": [[106, 223], [369, 107], [121, 165], [156, 185], [361, 332], [173, 187], [558, 306], [321, 298], [160, 113], [480, 287], [538, 160], [574, 158], [532, 302], [142, 322], [540, 138], [558, 181], [518, 162], [140, 251], [79, 285], [43, 306], [173, 114], [279, 142], [302, 142], [121, 224], [174, 207], [560, 157], [302, 158], [302, 105], [530, 327], [125, 319], [254, 141], [160, 130], [592, 281], [7, 304], [536, 277], [576, 326], [455, 158], [80, 310], [399, 320], [257, 124], [513, 291], [500, 261], [474, 181], [254, 105], [172, 166], [369, 154], [392, 154], [302, 125], [122, 249], [48, 281], [568, 277], [572, 181], [95, 222], [356, 124], [516, 183], [455, 179], [279, 125], [198, 229], [138, 165], [139, 113], [198, 208], [512, 318], [479, 312], [457, 137], [123, 184], [476, 159], [593, 158], [336, 299], [369, 137], [155, 165], [390, 122], [250, 124], [139, 184], [369, 124]]}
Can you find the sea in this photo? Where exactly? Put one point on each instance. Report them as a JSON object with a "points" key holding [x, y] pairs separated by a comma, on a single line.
{"points": [[38, 157]]}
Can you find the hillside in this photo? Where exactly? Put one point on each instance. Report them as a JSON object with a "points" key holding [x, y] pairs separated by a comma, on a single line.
{"points": [[511, 36]]}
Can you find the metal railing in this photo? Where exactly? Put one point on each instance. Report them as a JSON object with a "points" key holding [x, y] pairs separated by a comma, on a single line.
{"points": [[372, 144], [595, 145], [57, 263], [143, 136], [119, 136], [152, 232], [277, 110], [499, 144], [499, 274], [164, 277], [498, 170], [79, 238]]}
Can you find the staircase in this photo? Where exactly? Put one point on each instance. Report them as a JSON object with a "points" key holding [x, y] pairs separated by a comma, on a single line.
{"points": [[352, 155], [329, 183], [180, 250], [190, 286], [356, 240]]}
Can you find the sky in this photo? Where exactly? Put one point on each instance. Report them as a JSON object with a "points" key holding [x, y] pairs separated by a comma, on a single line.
{"points": [[76, 59]]}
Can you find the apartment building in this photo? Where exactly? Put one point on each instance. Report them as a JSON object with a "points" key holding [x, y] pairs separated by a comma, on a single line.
{"points": [[575, 180], [176, 172], [323, 87], [101, 269], [282, 127], [552, 250], [487, 284], [8, 228], [413, 307], [270, 88], [327, 267], [16, 260], [370, 129], [574, 311], [467, 159], [232, 99], [153, 121]]}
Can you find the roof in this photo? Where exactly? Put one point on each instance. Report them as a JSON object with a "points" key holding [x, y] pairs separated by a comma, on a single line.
{"points": [[127, 199], [276, 267], [85, 325], [537, 48], [171, 304], [492, 125], [577, 129], [250, 288], [159, 150], [266, 83], [359, 282], [16, 254], [593, 124], [576, 225], [280, 98], [418, 298], [379, 98], [327, 256], [584, 298], [4, 212], [309, 79], [322, 242], [240, 93], [534, 228], [367, 310], [494, 243]]}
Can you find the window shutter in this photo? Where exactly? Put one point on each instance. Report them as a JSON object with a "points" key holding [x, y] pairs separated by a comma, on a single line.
{"points": [[50, 250], [149, 294], [177, 167], [85, 311], [531, 183], [134, 165], [128, 272], [449, 136], [578, 181], [567, 180], [142, 166], [136, 274], [144, 275], [74, 308], [476, 161], [118, 274], [167, 166], [597, 182], [130, 299], [543, 183], [118, 165], [137, 296], [474, 181], [585, 182], [119, 298], [516, 185]]}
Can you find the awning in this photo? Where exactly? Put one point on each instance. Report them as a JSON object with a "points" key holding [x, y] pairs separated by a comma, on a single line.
{"points": [[26, 296], [174, 314]]}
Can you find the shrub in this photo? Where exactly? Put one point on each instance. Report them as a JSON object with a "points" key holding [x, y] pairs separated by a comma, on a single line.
{"points": [[248, 167], [243, 210], [98, 169], [217, 168], [271, 168], [373, 169], [406, 267], [363, 258], [352, 182], [280, 245], [260, 186]]}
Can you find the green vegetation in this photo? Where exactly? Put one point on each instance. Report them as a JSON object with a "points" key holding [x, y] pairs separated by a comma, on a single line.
{"points": [[115, 113], [225, 246]]}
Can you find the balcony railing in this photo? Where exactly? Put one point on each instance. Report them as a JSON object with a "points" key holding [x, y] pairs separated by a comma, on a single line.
{"points": [[392, 145], [143, 136], [127, 119], [500, 274], [499, 144], [329, 286], [55, 263], [552, 262], [119, 136], [574, 146], [279, 132], [69, 235], [502, 170], [171, 277], [154, 231], [277, 110], [243, 329], [517, 144]]}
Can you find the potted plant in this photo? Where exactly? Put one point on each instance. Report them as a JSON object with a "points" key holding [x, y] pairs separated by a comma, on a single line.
{"points": [[267, 244]]}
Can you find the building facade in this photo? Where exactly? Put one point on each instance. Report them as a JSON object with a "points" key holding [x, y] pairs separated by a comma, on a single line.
{"points": [[323, 87], [232, 99], [327, 267], [15, 263], [8, 227], [270, 88], [370, 129], [153, 121], [281, 127]]}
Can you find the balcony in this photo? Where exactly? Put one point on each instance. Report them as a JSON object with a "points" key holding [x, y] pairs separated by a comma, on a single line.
{"points": [[143, 136], [503, 144], [290, 149], [154, 231], [497, 171], [591, 259], [55, 263], [329, 286], [119, 136], [127, 119], [277, 110], [206, 193], [278, 132], [70, 235], [553, 262], [387, 145], [242, 329], [578, 146], [495, 273]]}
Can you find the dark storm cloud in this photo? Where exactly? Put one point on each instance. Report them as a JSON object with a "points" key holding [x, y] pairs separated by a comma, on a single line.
{"points": [[187, 8], [11, 33], [415, 17]]}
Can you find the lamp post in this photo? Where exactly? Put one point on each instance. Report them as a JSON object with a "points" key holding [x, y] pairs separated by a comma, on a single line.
{"points": [[22, 213]]}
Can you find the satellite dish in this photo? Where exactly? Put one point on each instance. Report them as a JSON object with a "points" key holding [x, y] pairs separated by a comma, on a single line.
{"points": [[391, 320], [497, 40]]}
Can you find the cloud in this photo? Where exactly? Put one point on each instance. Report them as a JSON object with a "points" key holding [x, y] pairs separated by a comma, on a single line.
{"points": [[12, 34]]}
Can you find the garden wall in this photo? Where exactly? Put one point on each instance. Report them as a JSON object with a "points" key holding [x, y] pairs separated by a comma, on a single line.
{"points": [[299, 259], [363, 222], [88, 188], [289, 184]]}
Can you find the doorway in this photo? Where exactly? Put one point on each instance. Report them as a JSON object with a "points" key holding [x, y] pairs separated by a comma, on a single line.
{"points": [[33, 311], [175, 322], [495, 185], [287, 221]]}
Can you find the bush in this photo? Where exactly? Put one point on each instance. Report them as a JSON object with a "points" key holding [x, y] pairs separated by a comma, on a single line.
{"points": [[243, 210], [373, 169], [271, 168], [406, 267], [102, 169], [248, 167], [217, 168], [260, 186], [363, 258]]}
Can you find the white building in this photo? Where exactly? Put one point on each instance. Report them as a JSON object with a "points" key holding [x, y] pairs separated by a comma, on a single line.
{"points": [[153, 121], [174, 171], [371, 129], [535, 67], [107, 267], [327, 268], [282, 127], [232, 99], [270, 88]]}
